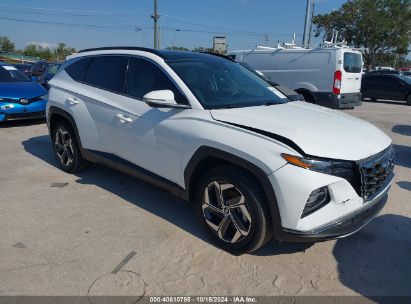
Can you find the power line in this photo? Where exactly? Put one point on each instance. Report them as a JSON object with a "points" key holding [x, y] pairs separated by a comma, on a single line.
{"points": [[132, 27], [73, 11]]}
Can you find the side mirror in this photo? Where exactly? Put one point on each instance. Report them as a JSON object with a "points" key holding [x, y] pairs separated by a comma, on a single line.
{"points": [[162, 99]]}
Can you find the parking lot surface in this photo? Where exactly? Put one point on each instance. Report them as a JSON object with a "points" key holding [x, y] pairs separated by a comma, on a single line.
{"points": [[65, 234]]}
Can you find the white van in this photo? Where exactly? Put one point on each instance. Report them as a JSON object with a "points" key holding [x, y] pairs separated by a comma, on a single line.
{"points": [[329, 75]]}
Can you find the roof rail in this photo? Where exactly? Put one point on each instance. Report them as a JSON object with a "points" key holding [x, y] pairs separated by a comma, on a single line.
{"points": [[130, 48]]}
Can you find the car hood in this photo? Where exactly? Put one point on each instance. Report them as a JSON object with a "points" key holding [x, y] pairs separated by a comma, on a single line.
{"points": [[316, 130], [17, 90]]}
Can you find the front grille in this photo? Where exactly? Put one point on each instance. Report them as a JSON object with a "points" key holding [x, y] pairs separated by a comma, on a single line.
{"points": [[375, 171], [25, 115], [30, 100]]}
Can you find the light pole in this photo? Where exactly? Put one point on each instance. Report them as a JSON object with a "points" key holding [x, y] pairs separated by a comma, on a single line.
{"points": [[174, 39]]}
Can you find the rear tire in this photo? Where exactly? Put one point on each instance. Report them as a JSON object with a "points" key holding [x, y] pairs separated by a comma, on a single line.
{"points": [[66, 148], [409, 100], [232, 210], [308, 97]]}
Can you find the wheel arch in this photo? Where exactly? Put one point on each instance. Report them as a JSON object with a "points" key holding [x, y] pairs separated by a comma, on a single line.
{"points": [[206, 158], [55, 115], [305, 92]]}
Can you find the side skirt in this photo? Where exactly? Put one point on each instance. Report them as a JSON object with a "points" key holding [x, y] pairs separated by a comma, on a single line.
{"points": [[129, 168]]}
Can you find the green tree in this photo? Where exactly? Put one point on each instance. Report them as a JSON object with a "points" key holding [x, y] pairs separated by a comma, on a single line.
{"points": [[380, 27], [6, 45], [177, 48], [57, 54], [203, 49]]}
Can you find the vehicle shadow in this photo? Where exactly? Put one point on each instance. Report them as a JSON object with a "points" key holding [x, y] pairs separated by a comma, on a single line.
{"points": [[276, 248], [375, 262], [144, 195], [404, 185], [21, 123], [402, 129], [402, 156]]}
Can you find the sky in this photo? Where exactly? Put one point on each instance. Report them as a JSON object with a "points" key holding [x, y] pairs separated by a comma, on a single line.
{"points": [[189, 23]]}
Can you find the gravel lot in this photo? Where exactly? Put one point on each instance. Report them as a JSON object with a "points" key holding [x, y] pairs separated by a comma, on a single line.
{"points": [[64, 234]]}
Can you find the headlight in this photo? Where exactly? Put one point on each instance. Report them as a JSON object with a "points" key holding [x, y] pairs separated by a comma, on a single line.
{"points": [[340, 168]]}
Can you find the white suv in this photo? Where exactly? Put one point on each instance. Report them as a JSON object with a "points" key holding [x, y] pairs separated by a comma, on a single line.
{"points": [[256, 165]]}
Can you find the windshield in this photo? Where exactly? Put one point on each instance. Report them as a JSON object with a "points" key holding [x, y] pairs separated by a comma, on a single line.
{"points": [[407, 79], [352, 62], [53, 69], [221, 83], [9, 73]]}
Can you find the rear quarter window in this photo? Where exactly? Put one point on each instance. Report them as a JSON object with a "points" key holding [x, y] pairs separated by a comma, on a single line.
{"points": [[77, 70]]}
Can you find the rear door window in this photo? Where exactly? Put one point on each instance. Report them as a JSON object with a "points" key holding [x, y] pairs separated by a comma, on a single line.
{"points": [[107, 73], [352, 62]]}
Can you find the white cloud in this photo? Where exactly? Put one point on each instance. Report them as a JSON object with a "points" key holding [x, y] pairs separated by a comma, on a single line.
{"points": [[43, 44]]}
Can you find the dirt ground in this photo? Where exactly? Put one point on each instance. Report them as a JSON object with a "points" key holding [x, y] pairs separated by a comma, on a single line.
{"points": [[64, 234]]}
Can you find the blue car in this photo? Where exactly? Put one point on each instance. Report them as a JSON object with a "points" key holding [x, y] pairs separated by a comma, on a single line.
{"points": [[20, 98]]}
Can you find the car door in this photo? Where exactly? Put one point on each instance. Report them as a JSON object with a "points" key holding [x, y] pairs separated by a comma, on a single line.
{"points": [[94, 98], [400, 89], [146, 136], [393, 88], [382, 87]]}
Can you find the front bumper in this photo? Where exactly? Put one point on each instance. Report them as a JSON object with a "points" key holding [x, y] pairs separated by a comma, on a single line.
{"points": [[342, 227], [340, 101], [16, 111], [346, 212]]}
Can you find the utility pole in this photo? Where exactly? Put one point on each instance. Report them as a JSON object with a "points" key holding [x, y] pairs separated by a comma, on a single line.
{"points": [[311, 23], [307, 17], [155, 17]]}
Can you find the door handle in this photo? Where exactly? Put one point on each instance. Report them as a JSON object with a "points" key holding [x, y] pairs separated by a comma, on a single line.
{"points": [[123, 118], [72, 100]]}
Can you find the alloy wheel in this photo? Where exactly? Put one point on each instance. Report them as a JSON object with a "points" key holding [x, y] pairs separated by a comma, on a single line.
{"points": [[64, 147], [225, 211]]}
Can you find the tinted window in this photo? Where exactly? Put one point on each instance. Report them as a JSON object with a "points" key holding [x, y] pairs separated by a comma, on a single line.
{"points": [[11, 74], [77, 70], [352, 62], [389, 81], [144, 77], [107, 72]]}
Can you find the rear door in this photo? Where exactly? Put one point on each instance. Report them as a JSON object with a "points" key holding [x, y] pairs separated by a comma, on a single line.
{"points": [[351, 73], [100, 80], [146, 136]]}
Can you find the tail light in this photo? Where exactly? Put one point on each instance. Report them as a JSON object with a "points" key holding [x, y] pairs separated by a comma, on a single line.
{"points": [[337, 82]]}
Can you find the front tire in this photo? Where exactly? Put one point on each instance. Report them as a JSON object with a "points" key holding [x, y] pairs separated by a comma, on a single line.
{"points": [[232, 210], [409, 100], [66, 148]]}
